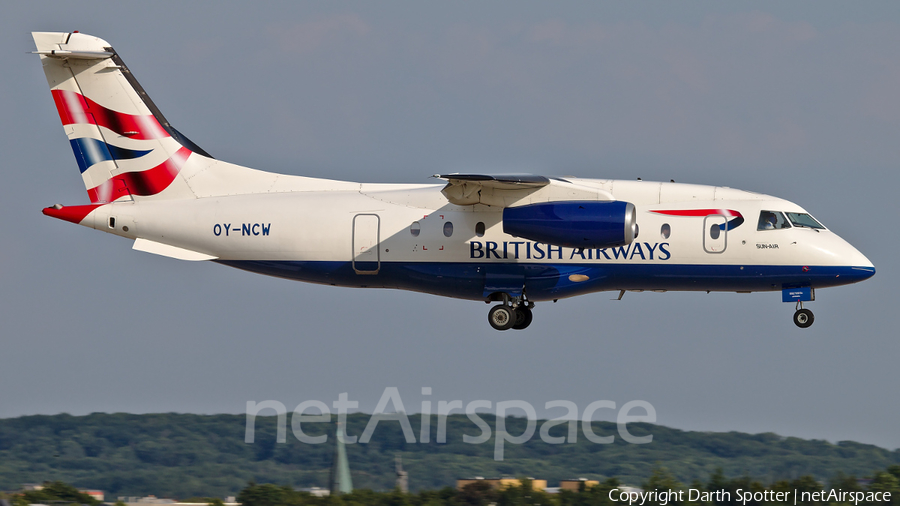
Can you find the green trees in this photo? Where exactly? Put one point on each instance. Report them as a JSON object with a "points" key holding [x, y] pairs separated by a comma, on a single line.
{"points": [[888, 481], [177, 455], [661, 480], [477, 494], [210, 501], [482, 494], [57, 491], [269, 495]]}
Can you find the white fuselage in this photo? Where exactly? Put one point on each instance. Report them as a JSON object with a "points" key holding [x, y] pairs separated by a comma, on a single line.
{"points": [[321, 234]]}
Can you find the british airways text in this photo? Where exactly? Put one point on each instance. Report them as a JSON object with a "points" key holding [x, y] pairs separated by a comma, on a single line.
{"points": [[539, 251]]}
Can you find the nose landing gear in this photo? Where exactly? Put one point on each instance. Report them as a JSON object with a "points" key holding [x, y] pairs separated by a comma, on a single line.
{"points": [[514, 313], [803, 318]]}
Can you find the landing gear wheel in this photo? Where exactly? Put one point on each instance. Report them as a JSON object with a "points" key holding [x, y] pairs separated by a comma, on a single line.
{"points": [[501, 317], [803, 318], [523, 318]]}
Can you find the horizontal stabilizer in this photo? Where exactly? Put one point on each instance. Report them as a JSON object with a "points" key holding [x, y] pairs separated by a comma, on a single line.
{"points": [[79, 55], [158, 248]]}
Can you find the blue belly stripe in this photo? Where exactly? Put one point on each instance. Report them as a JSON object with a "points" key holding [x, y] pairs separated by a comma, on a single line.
{"points": [[551, 281]]}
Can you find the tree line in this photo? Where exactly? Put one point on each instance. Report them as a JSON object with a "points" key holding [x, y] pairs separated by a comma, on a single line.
{"points": [[718, 490], [605, 493], [178, 455]]}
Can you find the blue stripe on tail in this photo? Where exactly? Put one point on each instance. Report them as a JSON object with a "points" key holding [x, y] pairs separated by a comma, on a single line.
{"points": [[89, 152]]}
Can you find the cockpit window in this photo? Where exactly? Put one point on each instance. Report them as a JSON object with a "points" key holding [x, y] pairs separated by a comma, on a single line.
{"points": [[804, 220], [772, 220]]}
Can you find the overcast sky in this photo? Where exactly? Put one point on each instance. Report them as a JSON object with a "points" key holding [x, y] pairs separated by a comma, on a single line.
{"points": [[799, 100]]}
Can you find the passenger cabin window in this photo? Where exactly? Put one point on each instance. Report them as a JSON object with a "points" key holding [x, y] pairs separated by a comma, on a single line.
{"points": [[479, 229], [772, 220], [448, 229], [804, 220], [665, 231], [414, 229]]}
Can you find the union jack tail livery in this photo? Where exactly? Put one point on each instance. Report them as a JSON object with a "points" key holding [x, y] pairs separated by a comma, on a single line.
{"points": [[124, 147]]}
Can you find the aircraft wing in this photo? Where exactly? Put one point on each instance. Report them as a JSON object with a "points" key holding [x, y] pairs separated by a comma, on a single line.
{"points": [[504, 190], [508, 181]]}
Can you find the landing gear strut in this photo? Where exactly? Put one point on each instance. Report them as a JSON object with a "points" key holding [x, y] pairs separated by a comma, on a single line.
{"points": [[803, 318], [514, 313]]}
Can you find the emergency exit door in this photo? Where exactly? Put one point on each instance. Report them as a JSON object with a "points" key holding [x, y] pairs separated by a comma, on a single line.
{"points": [[715, 232], [366, 254]]}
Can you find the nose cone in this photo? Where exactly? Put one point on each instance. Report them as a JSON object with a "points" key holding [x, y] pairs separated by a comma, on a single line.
{"points": [[860, 268], [862, 261], [845, 263]]}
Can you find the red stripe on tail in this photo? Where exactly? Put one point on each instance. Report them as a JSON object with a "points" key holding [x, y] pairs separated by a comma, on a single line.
{"points": [[143, 183], [75, 108]]}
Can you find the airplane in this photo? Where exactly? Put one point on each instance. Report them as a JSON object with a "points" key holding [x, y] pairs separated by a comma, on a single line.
{"points": [[509, 239]]}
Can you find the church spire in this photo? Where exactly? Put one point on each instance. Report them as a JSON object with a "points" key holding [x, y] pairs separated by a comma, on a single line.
{"points": [[341, 483]]}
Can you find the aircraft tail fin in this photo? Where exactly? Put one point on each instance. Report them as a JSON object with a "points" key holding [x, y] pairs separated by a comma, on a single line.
{"points": [[124, 146]]}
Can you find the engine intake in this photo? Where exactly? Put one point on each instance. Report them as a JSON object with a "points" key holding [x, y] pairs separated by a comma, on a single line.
{"points": [[575, 224]]}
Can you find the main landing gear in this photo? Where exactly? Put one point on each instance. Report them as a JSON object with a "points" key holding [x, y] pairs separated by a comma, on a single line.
{"points": [[514, 313], [803, 318]]}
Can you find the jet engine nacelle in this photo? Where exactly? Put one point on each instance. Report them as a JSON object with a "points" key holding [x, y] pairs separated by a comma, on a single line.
{"points": [[574, 224]]}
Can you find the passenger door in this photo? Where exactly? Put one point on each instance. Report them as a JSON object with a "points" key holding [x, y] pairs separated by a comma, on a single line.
{"points": [[366, 254]]}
